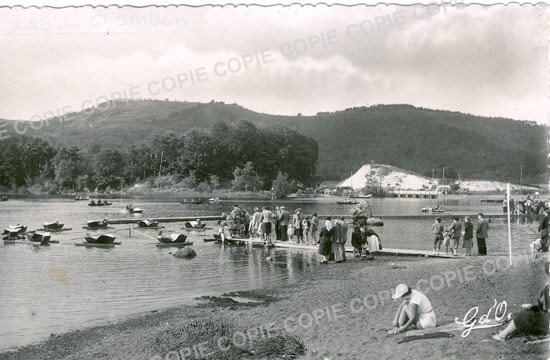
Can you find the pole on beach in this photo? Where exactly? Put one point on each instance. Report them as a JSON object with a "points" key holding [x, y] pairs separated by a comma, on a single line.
{"points": [[508, 215]]}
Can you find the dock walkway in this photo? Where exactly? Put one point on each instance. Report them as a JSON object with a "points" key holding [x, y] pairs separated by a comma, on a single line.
{"points": [[392, 252]]}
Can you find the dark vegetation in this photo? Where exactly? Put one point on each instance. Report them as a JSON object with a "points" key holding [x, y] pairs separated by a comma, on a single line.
{"points": [[415, 139]]}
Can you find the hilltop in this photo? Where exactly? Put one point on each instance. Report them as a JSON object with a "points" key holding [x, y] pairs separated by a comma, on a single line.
{"points": [[411, 138]]}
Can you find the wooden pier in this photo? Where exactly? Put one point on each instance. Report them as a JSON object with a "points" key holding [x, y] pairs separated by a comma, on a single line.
{"points": [[292, 245]]}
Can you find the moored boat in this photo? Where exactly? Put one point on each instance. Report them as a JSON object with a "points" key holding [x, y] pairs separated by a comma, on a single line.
{"points": [[97, 224], [39, 236], [81, 197], [148, 223], [4, 198], [18, 229], [102, 239], [361, 196], [174, 238], [195, 225], [133, 210], [54, 225]]}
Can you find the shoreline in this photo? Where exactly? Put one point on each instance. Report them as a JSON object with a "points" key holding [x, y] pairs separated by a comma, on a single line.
{"points": [[328, 303]]}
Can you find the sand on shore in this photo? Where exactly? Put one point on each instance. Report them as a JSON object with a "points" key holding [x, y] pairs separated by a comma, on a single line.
{"points": [[339, 311]]}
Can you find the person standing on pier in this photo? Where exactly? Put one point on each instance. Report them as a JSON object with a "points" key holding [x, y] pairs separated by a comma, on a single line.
{"points": [[455, 229], [345, 228], [437, 230], [314, 228], [267, 218], [468, 235], [325, 242], [482, 231], [297, 223], [255, 223], [543, 230], [284, 219], [337, 247]]}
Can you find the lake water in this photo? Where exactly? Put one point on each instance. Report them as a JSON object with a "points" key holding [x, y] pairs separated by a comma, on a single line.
{"points": [[53, 289]]}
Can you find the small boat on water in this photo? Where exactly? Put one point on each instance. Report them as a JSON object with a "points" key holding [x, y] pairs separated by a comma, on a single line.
{"points": [[97, 224], [4, 198], [347, 202], [103, 239], [12, 235], [99, 203], [174, 238], [55, 225], [436, 210], [133, 210], [192, 201], [81, 197], [361, 196], [148, 223], [195, 225], [214, 200], [40, 237], [17, 229]]}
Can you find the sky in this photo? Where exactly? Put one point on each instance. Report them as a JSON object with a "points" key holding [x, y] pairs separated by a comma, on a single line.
{"points": [[483, 60]]}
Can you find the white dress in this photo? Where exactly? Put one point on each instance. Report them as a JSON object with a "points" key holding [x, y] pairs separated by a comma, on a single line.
{"points": [[374, 243]]}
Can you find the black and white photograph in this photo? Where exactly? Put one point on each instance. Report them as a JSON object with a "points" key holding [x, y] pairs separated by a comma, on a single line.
{"points": [[301, 181]]}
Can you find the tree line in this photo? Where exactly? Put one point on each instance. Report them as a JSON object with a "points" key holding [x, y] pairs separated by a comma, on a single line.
{"points": [[239, 155]]}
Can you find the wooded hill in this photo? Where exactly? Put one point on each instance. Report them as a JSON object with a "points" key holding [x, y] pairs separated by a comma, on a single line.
{"points": [[411, 138]]}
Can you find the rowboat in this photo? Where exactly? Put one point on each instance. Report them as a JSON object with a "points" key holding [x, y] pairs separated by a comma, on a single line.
{"points": [[100, 239], [99, 203], [347, 202], [97, 224], [20, 229], [133, 210], [55, 225], [39, 237], [361, 196], [172, 238], [4, 198], [194, 225], [81, 198], [432, 210], [148, 223]]}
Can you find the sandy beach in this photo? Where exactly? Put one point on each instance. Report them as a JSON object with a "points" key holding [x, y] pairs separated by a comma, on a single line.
{"points": [[340, 311]]}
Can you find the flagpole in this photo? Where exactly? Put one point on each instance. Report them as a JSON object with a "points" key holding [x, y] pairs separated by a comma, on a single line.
{"points": [[509, 227]]}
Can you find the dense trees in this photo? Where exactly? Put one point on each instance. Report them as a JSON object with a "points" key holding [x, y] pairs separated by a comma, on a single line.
{"points": [[238, 155]]}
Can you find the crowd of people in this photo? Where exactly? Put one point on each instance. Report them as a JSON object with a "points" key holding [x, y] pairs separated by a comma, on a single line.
{"points": [[330, 236], [525, 206], [450, 235]]}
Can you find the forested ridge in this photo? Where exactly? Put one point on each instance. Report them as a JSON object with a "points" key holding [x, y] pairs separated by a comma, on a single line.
{"points": [[415, 139]]}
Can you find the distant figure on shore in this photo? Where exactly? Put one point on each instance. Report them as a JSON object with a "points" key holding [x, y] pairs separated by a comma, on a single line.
{"points": [[455, 229], [284, 219], [298, 228], [482, 231], [314, 228], [437, 230], [415, 310], [325, 243], [467, 236], [533, 319], [505, 206], [543, 230]]}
